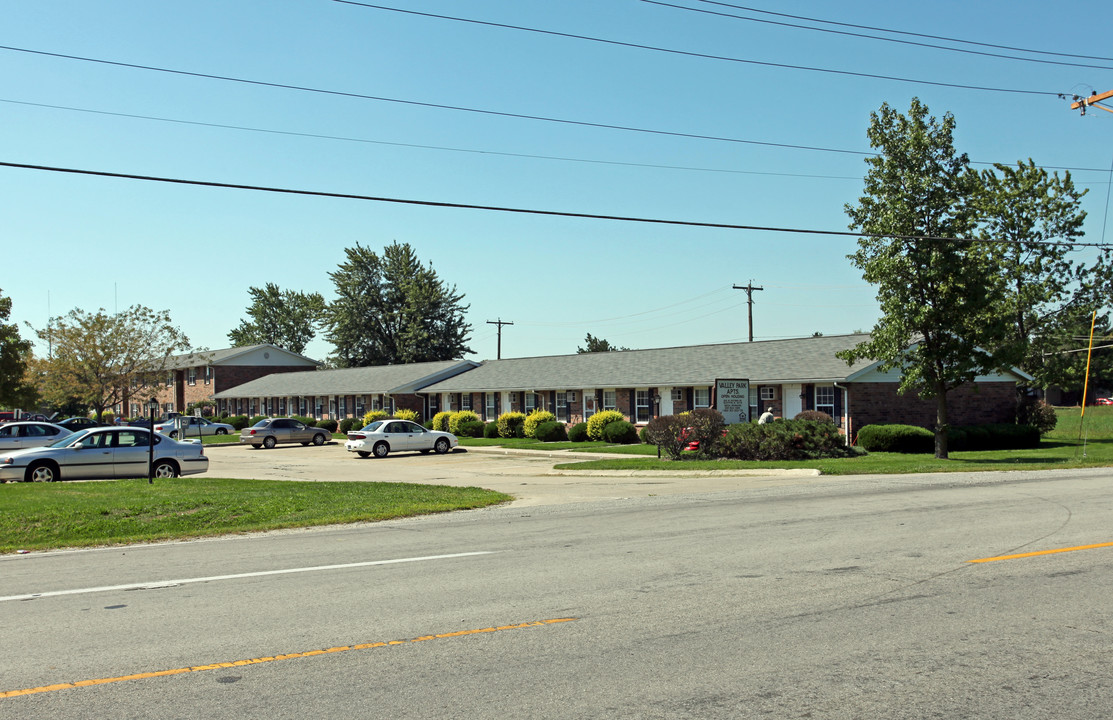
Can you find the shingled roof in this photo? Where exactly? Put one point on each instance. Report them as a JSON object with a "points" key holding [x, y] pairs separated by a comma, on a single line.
{"points": [[799, 360], [380, 379], [199, 358]]}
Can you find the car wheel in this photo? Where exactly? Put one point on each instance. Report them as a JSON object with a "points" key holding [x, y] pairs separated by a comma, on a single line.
{"points": [[318, 439], [441, 446], [173, 434], [269, 442], [221, 431], [41, 472], [362, 453], [165, 470], [381, 449]]}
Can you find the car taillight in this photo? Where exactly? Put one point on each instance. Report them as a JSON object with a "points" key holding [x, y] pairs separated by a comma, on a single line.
{"points": [[251, 433], [357, 436]]}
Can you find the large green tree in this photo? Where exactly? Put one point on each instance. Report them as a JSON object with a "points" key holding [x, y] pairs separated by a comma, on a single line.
{"points": [[96, 356], [284, 318], [1029, 219], [937, 294], [15, 354], [390, 309]]}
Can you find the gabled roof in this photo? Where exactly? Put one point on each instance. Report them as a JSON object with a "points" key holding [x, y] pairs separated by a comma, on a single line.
{"points": [[802, 360], [380, 379], [220, 357]]}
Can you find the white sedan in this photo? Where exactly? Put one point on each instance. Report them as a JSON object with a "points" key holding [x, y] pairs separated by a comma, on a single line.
{"points": [[104, 452], [25, 434], [384, 436]]}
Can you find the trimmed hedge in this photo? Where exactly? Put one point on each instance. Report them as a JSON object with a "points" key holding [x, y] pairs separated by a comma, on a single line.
{"points": [[896, 438], [551, 431], [783, 440], [329, 425], [911, 439], [470, 428], [491, 429], [372, 415], [237, 421], [597, 422], [349, 423], [620, 432], [440, 421], [535, 418], [406, 414], [512, 425], [814, 416], [456, 419], [578, 432]]}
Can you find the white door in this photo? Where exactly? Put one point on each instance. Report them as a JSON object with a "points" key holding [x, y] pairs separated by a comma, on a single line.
{"points": [[793, 405]]}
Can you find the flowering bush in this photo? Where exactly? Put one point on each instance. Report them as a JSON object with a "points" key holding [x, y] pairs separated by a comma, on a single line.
{"points": [[535, 418], [406, 414], [440, 421], [600, 420], [511, 425], [458, 417], [372, 415]]}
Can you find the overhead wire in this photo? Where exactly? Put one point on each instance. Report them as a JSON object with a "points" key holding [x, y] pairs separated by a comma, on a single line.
{"points": [[523, 211]]}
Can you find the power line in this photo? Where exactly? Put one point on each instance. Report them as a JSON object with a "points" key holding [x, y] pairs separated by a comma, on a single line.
{"points": [[868, 37], [705, 56], [902, 32], [523, 211], [527, 156]]}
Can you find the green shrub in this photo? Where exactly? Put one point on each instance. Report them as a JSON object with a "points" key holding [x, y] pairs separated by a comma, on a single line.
{"points": [[511, 425], [783, 440], [470, 428], [237, 421], [578, 432], [666, 432], [329, 425], [440, 421], [600, 420], [620, 432], [491, 429], [814, 416], [897, 438], [406, 414], [307, 421], [1039, 415], [535, 418], [705, 426], [551, 431], [461, 416], [348, 423], [643, 435], [372, 415]]}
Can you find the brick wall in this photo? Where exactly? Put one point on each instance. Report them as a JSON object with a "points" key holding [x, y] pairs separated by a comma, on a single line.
{"points": [[970, 404]]}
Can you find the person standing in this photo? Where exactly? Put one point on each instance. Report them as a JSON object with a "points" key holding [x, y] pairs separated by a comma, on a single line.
{"points": [[766, 417]]}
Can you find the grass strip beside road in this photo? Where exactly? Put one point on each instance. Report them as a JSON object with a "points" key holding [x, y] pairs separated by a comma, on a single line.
{"points": [[40, 516]]}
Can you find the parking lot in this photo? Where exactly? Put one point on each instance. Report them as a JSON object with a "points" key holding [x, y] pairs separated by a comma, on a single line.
{"points": [[528, 476]]}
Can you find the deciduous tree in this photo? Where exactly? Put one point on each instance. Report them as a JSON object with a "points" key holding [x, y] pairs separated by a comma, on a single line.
{"points": [[285, 318], [15, 354], [391, 309], [96, 356], [594, 344]]}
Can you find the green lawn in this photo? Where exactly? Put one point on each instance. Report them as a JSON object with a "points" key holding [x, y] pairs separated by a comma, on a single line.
{"points": [[38, 516]]}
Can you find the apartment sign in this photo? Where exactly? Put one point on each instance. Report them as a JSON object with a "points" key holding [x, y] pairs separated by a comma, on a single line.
{"points": [[732, 399]]}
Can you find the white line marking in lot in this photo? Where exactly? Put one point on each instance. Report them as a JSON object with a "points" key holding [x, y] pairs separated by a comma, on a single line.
{"points": [[156, 584]]}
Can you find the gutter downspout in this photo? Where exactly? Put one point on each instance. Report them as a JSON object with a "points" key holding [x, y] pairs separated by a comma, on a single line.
{"points": [[845, 410]]}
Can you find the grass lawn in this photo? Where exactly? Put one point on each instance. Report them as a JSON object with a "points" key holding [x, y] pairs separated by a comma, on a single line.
{"points": [[40, 516]]}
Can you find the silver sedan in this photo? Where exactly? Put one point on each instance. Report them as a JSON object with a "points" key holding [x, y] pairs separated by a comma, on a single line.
{"points": [[271, 431], [384, 436], [106, 452], [191, 426], [24, 434]]}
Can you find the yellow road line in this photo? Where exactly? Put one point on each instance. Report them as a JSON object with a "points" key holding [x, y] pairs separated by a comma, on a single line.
{"points": [[288, 656], [1041, 552]]}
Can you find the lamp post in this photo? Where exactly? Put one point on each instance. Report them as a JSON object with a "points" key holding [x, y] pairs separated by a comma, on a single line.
{"points": [[152, 406], [657, 414]]}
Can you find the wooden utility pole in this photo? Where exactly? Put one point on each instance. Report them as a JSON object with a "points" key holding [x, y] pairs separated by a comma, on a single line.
{"points": [[1081, 103], [500, 323], [750, 301]]}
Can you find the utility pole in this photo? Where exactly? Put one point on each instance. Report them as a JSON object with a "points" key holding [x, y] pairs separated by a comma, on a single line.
{"points": [[750, 301], [1081, 103], [500, 323]]}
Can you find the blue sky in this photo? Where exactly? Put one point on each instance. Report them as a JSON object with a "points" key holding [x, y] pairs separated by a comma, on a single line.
{"points": [[93, 242]]}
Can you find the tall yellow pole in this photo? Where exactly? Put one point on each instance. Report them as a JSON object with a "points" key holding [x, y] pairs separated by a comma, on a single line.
{"points": [[1086, 382]]}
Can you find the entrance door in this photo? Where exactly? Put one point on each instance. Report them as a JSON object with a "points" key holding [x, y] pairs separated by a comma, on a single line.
{"points": [[793, 404]]}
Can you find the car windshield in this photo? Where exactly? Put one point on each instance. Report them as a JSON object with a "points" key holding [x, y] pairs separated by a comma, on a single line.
{"points": [[373, 426]]}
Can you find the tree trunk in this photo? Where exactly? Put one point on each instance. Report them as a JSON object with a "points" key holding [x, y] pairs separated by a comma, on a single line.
{"points": [[941, 421]]}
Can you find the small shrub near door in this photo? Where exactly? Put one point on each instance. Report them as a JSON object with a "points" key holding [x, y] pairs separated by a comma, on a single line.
{"points": [[620, 433], [551, 431], [600, 420], [578, 432], [534, 419], [440, 421], [512, 425]]}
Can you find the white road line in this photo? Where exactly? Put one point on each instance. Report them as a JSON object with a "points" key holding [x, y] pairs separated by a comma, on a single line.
{"points": [[155, 584]]}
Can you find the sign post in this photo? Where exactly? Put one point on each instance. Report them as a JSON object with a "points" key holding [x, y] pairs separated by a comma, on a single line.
{"points": [[732, 399]]}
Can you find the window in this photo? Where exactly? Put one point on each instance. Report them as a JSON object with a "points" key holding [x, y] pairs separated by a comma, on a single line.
{"points": [[282, 406], [678, 395], [562, 406], [376, 402], [169, 379], [610, 401], [513, 398], [701, 397], [531, 402], [754, 414], [301, 406], [641, 403], [490, 406], [768, 392], [465, 401], [191, 376], [208, 374], [343, 406], [168, 407], [359, 407], [317, 408], [825, 399]]}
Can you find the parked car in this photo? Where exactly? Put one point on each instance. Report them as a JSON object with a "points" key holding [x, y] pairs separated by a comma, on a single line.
{"points": [[23, 434], [103, 452], [191, 426], [383, 436], [271, 431], [74, 424], [1104, 401]]}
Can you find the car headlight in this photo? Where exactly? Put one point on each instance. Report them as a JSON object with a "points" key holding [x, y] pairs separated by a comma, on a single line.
{"points": [[6, 461]]}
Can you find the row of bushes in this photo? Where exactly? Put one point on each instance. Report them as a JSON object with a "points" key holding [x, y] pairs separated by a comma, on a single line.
{"points": [[913, 439], [802, 439]]}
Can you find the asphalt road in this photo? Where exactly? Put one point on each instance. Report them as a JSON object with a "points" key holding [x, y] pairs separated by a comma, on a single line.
{"points": [[802, 598]]}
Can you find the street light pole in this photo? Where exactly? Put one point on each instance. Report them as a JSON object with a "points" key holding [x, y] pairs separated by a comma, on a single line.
{"points": [[152, 405]]}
